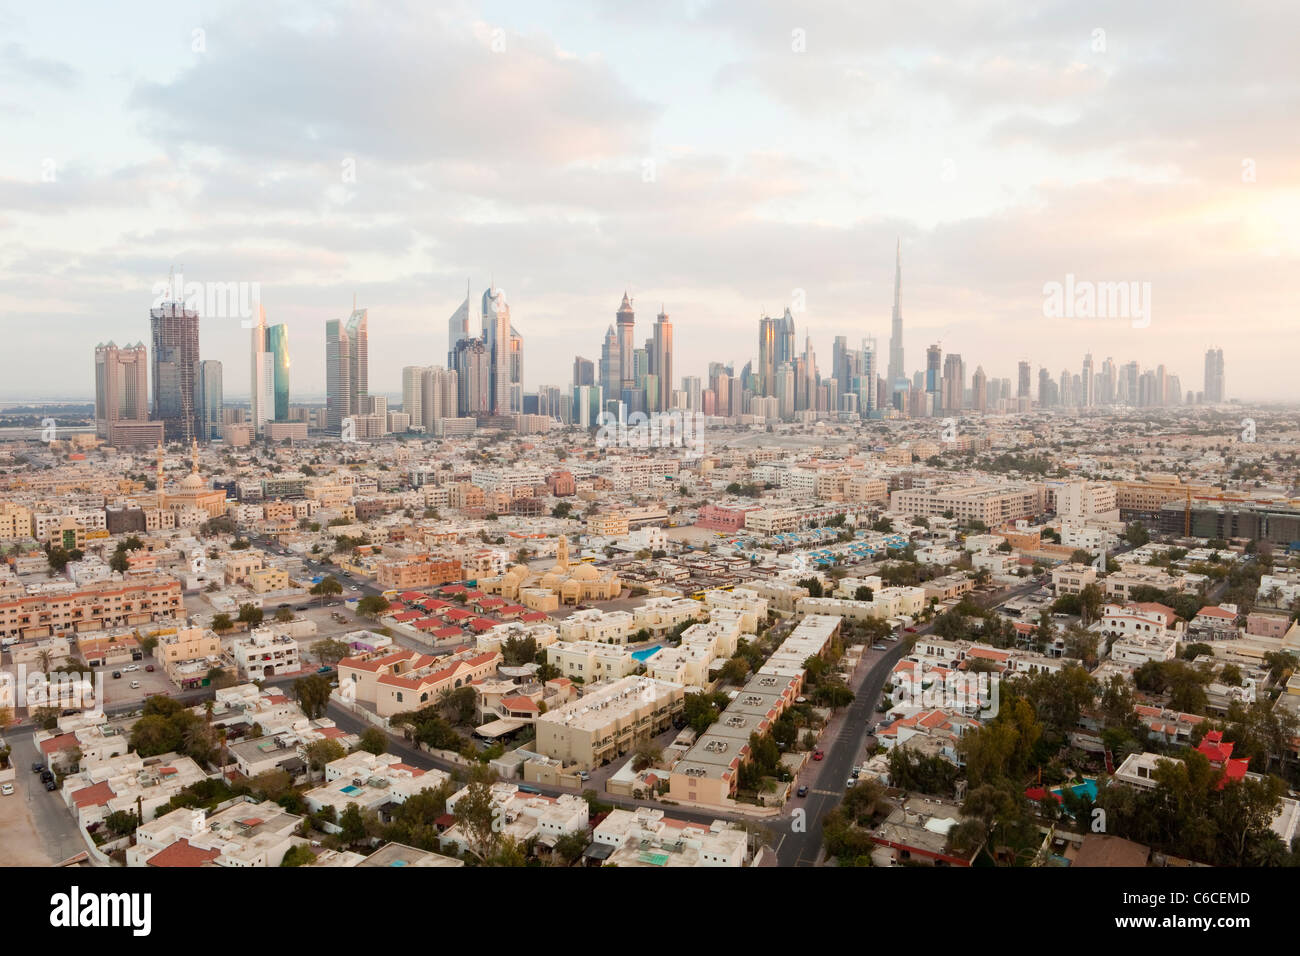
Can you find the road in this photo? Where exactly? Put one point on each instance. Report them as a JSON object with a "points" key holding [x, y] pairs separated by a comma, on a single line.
{"points": [[54, 824], [825, 793], [795, 848]]}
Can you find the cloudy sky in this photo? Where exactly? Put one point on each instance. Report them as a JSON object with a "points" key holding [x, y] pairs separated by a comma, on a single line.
{"points": [[722, 158]]}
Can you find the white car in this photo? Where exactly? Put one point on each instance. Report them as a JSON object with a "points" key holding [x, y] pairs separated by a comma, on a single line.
{"points": [[7, 789], [130, 667]]}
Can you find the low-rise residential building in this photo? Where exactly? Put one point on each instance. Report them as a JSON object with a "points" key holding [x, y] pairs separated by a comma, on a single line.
{"points": [[523, 817], [244, 834], [608, 721], [264, 653], [370, 781], [648, 837]]}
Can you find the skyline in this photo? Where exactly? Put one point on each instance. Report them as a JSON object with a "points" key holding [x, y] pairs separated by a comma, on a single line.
{"points": [[998, 149], [276, 380]]}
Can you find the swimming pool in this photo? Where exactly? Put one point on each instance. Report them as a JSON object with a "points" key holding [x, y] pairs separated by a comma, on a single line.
{"points": [[648, 653], [350, 790], [1086, 789]]}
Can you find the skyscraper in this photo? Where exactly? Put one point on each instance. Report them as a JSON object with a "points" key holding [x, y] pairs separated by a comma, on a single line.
{"points": [[458, 327], [625, 319], [346, 367], [277, 346], [954, 382], [1214, 387], [261, 378], [175, 331], [979, 390], [611, 367], [1087, 381], [933, 357], [473, 378], [506, 354], [662, 365], [584, 371], [211, 398], [1025, 380], [413, 385], [896, 372], [767, 356], [122, 396]]}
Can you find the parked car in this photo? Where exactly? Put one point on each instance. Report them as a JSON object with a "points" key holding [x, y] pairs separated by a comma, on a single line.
{"points": [[802, 791], [130, 667], [51, 784], [910, 630], [818, 755], [135, 685], [324, 670], [149, 668], [37, 767], [117, 673], [877, 647], [7, 789]]}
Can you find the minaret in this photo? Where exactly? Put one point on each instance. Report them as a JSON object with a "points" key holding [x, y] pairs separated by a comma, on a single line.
{"points": [[159, 490], [194, 457], [562, 553], [896, 328]]}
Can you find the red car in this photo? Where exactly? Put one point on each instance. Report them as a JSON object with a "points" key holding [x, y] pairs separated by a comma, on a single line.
{"points": [[149, 667], [818, 755], [910, 630]]}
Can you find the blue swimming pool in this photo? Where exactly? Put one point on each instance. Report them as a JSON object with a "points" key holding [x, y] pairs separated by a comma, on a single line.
{"points": [[350, 790], [648, 653], [1086, 789]]}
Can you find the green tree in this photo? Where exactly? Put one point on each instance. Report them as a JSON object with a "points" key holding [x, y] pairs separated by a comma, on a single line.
{"points": [[313, 694], [374, 741]]}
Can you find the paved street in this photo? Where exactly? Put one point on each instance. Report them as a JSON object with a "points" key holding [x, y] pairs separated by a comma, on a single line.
{"points": [[52, 824]]}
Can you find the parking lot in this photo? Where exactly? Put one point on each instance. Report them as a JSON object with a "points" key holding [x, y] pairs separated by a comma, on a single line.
{"points": [[117, 690]]}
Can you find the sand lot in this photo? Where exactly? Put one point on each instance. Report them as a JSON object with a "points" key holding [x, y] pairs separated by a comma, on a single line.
{"points": [[20, 844]]}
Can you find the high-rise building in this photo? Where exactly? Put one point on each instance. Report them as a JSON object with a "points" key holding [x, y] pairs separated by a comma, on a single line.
{"points": [[896, 373], [767, 355], [625, 319], [414, 379], [175, 332], [979, 387], [458, 327], [347, 363], [277, 345], [693, 386], [954, 382], [1088, 396], [122, 396], [261, 377], [584, 371], [933, 356], [473, 378], [506, 354], [662, 364], [1025, 380], [1214, 391], [611, 367], [211, 398]]}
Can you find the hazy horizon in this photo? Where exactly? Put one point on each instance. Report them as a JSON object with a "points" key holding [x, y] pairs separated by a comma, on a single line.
{"points": [[724, 159]]}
